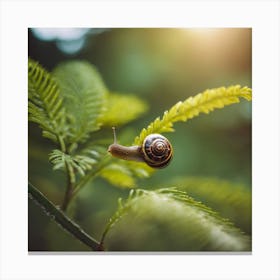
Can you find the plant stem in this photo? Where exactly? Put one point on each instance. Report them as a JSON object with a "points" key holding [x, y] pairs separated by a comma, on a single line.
{"points": [[72, 189], [62, 219], [91, 175], [61, 143], [70, 178], [69, 187], [67, 197]]}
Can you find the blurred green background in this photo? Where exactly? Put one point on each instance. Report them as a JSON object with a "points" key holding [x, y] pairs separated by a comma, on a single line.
{"points": [[161, 66]]}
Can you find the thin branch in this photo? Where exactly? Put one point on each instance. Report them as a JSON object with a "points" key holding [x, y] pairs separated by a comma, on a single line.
{"points": [[70, 226], [92, 174], [69, 187], [72, 190], [67, 197]]}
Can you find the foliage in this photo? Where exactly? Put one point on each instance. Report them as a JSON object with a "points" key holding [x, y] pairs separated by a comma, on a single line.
{"points": [[72, 105], [125, 174], [115, 113], [74, 102], [79, 163], [177, 221], [205, 102], [84, 92], [45, 103], [232, 200]]}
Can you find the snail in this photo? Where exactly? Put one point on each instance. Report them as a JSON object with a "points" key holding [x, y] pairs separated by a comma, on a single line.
{"points": [[156, 151]]}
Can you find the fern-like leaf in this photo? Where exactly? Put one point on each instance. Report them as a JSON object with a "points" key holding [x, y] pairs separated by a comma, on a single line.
{"points": [[84, 92], [123, 209], [201, 103], [45, 104], [71, 163], [232, 200], [170, 220]]}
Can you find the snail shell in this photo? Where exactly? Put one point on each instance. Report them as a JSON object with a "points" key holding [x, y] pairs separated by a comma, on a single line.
{"points": [[156, 151]]}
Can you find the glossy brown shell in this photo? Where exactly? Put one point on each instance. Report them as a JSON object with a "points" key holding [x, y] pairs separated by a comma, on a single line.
{"points": [[157, 151]]}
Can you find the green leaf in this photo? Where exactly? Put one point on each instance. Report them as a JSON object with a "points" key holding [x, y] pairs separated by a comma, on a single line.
{"points": [[232, 200], [204, 102], [170, 220], [124, 174], [45, 103], [84, 92], [139, 169], [120, 109], [118, 175], [71, 163]]}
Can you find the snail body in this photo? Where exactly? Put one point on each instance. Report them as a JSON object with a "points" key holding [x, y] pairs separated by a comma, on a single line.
{"points": [[156, 151]]}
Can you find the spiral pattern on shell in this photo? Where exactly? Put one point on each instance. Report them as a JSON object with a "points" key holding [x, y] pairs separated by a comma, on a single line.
{"points": [[157, 151]]}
